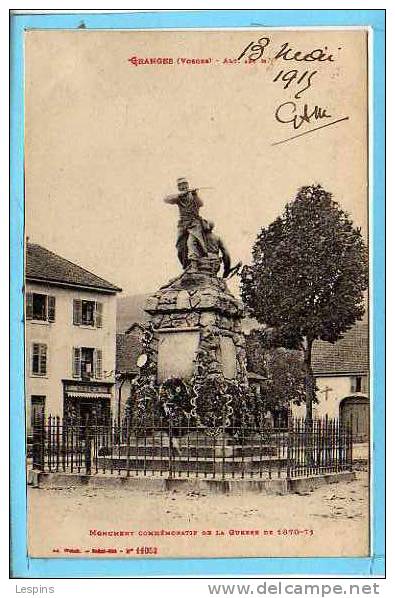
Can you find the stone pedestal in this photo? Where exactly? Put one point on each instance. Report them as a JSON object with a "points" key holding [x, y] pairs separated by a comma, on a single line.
{"points": [[196, 325]]}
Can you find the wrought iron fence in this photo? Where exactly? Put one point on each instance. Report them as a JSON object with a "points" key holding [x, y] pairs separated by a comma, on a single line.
{"points": [[180, 448]]}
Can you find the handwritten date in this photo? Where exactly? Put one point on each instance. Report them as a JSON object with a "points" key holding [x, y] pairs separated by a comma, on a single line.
{"points": [[255, 49], [294, 76]]}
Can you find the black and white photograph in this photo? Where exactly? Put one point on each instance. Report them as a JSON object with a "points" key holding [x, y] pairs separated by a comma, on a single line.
{"points": [[197, 293]]}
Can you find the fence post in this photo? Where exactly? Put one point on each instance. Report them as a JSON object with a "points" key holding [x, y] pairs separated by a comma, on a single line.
{"points": [[223, 447], [351, 437], [289, 445], [38, 441], [88, 446], [170, 432]]}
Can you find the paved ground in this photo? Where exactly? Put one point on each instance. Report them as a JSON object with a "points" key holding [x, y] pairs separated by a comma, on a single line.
{"points": [[331, 521]]}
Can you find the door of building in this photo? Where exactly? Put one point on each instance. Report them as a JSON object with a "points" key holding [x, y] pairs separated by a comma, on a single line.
{"points": [[84, 409], [355, 410]]}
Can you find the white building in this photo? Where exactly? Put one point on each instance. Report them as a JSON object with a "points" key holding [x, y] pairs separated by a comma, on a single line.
{"points": [[70, 338], [341, 371]]}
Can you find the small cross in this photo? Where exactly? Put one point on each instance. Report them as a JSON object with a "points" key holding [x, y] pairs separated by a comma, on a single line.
{"points": [[326, 391]]}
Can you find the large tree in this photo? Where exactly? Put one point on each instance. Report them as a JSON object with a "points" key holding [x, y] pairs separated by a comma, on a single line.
{"points": [[308, 275]]}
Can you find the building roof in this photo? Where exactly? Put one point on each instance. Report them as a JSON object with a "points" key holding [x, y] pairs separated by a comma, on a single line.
{"points": [[43, 265], [135, 328], [128, 349], [349, 355]]}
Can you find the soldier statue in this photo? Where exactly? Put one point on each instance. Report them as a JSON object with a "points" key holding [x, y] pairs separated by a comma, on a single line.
{"points": [[198, 247], [189, 234]]}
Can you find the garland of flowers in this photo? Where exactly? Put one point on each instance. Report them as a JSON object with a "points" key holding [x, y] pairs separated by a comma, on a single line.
{"points": [[143, 401], [211, 403], [175, 398], [149, 368]]}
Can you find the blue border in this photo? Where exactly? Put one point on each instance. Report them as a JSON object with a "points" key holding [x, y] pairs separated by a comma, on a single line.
{"points": [[22, 565]]}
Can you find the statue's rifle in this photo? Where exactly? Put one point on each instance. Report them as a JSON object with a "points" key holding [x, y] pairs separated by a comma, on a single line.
{"points": [[235, 270], [194, 190]]}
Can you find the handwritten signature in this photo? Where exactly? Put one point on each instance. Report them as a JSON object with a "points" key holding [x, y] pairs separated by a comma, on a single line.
{"points": [[288, 113]]}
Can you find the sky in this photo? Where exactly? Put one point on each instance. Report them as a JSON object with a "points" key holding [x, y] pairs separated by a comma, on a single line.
{"points": [[106, 140]]}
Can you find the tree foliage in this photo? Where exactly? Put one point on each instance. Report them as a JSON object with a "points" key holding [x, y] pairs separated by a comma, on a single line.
{"points": [[284, 379], [283, 370], [308, 274], [309, 270]]}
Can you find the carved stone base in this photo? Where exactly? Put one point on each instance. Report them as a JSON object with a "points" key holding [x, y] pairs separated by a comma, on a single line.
{"points": [[196, 319]]}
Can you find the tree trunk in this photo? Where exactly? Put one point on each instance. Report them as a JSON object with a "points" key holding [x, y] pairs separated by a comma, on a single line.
{"points": [[309, 380]]}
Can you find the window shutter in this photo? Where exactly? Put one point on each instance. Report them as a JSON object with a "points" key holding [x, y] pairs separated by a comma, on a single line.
{"points": [[76, 362], [77, 312], [99, 314], [43, 359], [29, 306], [364, 384], [35, 358], [51, 308], [353, 384], [98, 364], [37, 409]]}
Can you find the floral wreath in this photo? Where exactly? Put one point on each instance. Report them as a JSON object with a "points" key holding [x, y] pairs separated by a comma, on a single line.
{"points": [[212, 403], [174, 398]]}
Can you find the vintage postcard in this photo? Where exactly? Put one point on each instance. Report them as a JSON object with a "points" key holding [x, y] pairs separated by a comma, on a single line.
{"points": [[197, 293]]}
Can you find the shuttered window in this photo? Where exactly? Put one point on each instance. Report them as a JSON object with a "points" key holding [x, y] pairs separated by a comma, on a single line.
{"points": [[98, 364], [77, 312], [37, 411], [99, 314], [51, 308], [87, 313], [29, 306], [40, 307], [87, 363], [359, 384], [76, 362], [39, 359]]}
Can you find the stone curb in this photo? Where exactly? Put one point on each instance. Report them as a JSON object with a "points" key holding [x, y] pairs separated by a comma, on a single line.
{"points": [[58, 480]]}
